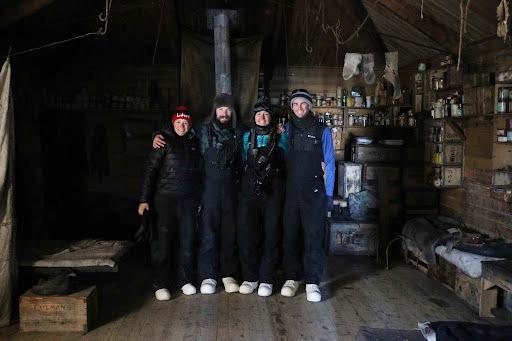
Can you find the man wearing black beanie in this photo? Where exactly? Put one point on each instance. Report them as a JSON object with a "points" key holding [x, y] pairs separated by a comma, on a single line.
{"points": [[308, 197], [220, 144]]}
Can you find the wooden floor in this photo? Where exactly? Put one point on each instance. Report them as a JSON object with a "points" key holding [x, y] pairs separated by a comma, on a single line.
{"points": [[356, 293]]}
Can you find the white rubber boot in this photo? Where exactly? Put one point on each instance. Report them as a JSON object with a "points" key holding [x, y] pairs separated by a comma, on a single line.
{"points": [[188, 289], [265, 290], [230, 284], [290, 287], [248, 287], [208, 286], [313, 293], [163, 294]]}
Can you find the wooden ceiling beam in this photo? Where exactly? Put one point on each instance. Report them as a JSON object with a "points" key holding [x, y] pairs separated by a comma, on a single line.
{"points": [[24, 8], [436, 31]]}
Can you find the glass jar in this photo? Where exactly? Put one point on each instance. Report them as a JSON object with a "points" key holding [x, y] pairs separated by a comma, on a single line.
{"points": [[350, 101]]}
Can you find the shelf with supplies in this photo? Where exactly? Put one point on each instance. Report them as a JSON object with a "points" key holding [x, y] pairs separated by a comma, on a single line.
{"points": [[444, 153], [502, 120]]}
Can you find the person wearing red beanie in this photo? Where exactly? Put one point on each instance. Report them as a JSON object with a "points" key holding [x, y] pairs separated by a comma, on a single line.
{"points": [[170, 188]]}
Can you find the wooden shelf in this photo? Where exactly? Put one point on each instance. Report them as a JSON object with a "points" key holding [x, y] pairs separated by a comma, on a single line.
{"points": [[378, 127], [505, 143], [504, 114], [327, 107], [451, 118]]}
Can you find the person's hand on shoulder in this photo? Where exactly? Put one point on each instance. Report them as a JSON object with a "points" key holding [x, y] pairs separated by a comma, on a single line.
{"points": [[158, 141]]}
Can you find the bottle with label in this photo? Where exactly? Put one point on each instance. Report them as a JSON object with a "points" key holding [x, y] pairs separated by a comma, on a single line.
{"points": [[350, 120], [344, 98], [411, 122]]}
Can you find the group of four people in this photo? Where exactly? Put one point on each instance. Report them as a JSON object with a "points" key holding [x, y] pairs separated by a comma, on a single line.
{"points": [[251, 193]]}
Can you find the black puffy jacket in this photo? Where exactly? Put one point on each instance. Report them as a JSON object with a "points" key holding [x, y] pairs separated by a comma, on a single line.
{"points": [[174, 169]]}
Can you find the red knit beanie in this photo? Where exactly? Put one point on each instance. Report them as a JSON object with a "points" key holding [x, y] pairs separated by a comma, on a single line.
{"points": [[181, 113]]}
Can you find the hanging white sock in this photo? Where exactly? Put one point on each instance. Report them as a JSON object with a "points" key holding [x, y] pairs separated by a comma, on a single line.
{"points": [[351, 66]]}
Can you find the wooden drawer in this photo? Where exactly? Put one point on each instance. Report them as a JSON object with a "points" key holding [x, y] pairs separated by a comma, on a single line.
{"points": [[389, 173], [375, 153]]}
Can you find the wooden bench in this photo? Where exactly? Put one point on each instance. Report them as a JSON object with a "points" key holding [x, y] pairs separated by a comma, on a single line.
{"points": [[494, 275]]}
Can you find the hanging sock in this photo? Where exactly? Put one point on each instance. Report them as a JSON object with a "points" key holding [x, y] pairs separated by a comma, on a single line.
{"points": [[502, 15], [351, 66], [391, 72], [367, 65]]}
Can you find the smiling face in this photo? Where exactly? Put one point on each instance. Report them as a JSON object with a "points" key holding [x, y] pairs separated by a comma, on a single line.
{"points": [[262, 118], [300, 107], [223, 114], [181, 126]]}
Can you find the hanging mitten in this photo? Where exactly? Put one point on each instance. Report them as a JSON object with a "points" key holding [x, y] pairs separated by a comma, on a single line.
{"points": [[391, 72], [350, 68], [368, 64]]}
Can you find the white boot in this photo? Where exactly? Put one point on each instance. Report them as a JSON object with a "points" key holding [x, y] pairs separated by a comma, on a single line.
{"points": [[163, 294], [290, 288], [208, 286], [188, 289], [313, 293], [351, 66], [265, 290], [230, 284], [248, 287]]}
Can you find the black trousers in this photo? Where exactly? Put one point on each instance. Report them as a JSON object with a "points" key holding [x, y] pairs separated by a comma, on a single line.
{"points": [[259, 233], [218, 255], [304, 220], [174, 222]]}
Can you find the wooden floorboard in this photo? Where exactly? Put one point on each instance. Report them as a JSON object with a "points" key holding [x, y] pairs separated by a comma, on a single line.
{"points": [[356, 293]]}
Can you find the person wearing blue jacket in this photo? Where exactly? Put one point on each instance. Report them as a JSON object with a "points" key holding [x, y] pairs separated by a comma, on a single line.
{"points": [[261, 200], [309, 191]]}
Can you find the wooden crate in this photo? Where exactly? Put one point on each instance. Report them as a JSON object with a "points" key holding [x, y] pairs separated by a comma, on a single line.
{"points": [[467, 288], [351, 238], [76, 312], [453, 153]]}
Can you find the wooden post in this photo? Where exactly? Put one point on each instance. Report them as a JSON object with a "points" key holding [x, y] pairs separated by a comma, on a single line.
{"points": [[222, 54]]}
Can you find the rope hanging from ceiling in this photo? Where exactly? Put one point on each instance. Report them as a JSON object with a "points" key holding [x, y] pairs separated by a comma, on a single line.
{"points": [[336, 30], [103, 17], [462, 28]]}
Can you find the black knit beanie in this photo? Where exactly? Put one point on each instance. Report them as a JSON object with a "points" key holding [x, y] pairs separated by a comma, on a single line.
{"points": [[224, 100]]}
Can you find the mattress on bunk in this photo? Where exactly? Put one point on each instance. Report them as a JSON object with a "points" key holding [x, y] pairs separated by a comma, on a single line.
{"points": [[469, 263], [73, 254]]}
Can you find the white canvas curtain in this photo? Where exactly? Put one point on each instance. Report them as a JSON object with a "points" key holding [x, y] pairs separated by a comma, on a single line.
{"points": [[8, 266]]}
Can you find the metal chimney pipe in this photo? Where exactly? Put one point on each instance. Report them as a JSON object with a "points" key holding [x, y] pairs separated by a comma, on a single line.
{"points": [[222, 53]]}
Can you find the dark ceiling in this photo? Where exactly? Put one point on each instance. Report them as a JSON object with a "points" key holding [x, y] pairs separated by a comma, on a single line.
{"points": [[294, 32]]}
